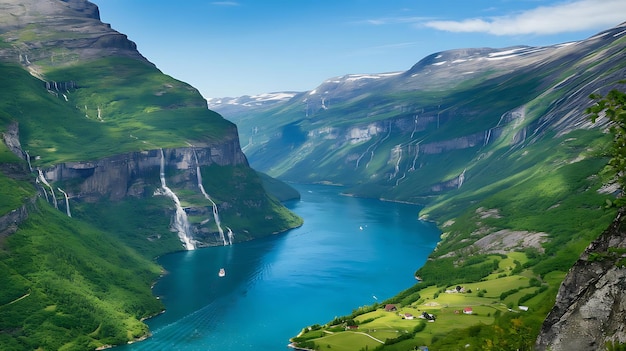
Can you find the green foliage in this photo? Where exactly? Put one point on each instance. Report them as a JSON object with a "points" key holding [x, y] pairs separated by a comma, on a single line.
{"points": [[615, 346], [71, 286], [613, 106], [118, 105], [446, 271], [14, 193], [280, 190]]}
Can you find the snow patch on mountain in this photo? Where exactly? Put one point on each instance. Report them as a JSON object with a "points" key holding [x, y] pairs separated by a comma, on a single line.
{"points": [[252, 100]]}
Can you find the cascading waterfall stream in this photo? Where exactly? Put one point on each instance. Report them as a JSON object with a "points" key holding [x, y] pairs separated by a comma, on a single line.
{"points": [[231, 235], [45, 182], [397, 150], [181, 222], [216, 215], [461, 178], [414, 128], [380, 142], [30, 167], [67, 202]]}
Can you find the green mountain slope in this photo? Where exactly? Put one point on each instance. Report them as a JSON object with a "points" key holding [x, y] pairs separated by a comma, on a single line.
{"points": [[91, 132], [495, 144]]}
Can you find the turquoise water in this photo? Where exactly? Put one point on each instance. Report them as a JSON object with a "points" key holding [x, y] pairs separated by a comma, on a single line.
{"points": [[350, 252]]}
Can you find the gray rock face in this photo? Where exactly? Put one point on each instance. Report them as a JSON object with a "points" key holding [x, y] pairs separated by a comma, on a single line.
{"points": [[590, 307], [68, 30], [12, 140], [10, 221], [135, 173]]}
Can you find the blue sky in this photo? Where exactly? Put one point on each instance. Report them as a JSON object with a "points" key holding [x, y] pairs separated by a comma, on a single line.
{"points": [[247, 47]]}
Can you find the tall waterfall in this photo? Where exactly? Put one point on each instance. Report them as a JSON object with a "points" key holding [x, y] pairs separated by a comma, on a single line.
{"points": [[216, 214], [67, 202], [45, 182], [30, 167], [181, 223]]}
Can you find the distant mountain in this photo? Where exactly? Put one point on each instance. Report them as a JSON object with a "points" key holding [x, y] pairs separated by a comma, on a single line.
{"points": [[495, 143], [383, 134], [105, 164]]}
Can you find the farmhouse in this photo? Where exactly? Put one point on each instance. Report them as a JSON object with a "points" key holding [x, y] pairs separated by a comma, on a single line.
{"points": [[390, 308], [468, 310]]}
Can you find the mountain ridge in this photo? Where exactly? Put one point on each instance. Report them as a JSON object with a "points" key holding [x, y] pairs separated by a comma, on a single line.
{"points": [[497, 147]]}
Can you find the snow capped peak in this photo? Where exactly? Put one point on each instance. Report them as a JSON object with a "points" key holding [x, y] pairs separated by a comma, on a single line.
{"points": [[350, 81], [252, 100]]}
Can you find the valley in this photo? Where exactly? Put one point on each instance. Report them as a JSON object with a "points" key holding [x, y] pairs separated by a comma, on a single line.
{"points": [[107, 164]]}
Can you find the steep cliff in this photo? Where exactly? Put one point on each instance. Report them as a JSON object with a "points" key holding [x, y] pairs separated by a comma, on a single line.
{"points": [[105, 163], [44, 33], [94, 114], [590, 307]]}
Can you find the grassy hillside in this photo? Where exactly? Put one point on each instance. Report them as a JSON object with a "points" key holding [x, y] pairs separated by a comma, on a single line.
{"points": [[506, 163], [556, 199], [70, 286], [115, 105]]}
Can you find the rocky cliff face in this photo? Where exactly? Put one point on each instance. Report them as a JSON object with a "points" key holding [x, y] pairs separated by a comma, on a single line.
{"points": [[125, 175], [590, 307], [114, 115], [66, 30]]}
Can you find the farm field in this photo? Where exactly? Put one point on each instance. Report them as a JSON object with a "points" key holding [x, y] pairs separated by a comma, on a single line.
{"points": [[437, 310]]}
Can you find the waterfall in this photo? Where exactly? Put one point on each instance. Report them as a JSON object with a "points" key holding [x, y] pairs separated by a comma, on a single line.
{"points": [[181, 223], [43, 180], [397, 150], [380, 142], [216, 214], [417, 152], [30, 167], [231, 236], [487, 137], [414, 127], [67, 202], [461, 178]]}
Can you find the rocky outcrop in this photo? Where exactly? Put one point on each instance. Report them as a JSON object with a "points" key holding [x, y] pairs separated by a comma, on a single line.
{"points": [[590, 307], [12, 139], [9, 222]]}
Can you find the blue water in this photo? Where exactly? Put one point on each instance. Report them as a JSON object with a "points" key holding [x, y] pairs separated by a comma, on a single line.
{"points": [[350, 252]]}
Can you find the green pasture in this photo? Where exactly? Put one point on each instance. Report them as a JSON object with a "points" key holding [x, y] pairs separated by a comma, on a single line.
{"points": [[447, 307]]}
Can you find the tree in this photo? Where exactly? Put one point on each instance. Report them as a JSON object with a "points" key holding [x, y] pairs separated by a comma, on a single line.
{"points": [[613, 107]]}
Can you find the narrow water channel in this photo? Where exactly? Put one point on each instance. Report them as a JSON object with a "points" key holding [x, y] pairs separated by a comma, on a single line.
{"points": [[350, 252]]}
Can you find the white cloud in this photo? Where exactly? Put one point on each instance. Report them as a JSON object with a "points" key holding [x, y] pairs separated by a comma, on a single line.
{"points": [[563, 17]]}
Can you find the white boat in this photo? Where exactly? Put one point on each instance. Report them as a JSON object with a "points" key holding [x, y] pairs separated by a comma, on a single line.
{"points": [[222, 272]]}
